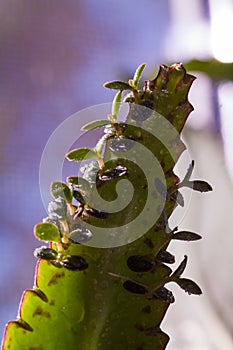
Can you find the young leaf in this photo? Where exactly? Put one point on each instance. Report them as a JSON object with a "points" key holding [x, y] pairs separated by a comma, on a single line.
{"points": [[118, 85], [60, 189], [186, 236], [189, 172], [52, 220], [58, 209], [101, 144], [213, 68], [116, 104], [140, 263], [165, 257], [23, 325], [80, 236], [79, 154], [78, 182], [47, 232], [164, 294], [199, 185], [45, 253], [121, 144], [79, 197], [161, 188], [180, 269], [74, 263], [178, 198], [134, 287], [95, 125], [96, 213], [138, 73], [114, 173], [189, 286]]}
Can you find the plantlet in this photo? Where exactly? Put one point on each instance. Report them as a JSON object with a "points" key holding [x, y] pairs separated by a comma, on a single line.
{"points": [[101, 283]]}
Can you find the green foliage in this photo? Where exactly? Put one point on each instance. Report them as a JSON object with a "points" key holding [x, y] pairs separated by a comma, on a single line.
{"points": [[60, 189], [89, 298], [95, 125], [47, 232], [116, 105], [137, 74], [118, 85], [216, 70], [79, 154]]}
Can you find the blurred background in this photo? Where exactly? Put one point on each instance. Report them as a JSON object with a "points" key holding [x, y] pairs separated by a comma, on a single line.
{"points": [[55, 56]]}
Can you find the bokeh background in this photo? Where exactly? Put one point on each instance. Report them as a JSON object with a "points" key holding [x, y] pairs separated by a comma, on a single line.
{"points": [[55, 56]]}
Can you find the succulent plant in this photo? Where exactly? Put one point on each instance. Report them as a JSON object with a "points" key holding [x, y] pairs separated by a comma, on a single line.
{"points": [[93, 292]]}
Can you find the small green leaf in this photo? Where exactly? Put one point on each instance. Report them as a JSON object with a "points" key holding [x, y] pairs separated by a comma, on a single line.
{"points": [[116, 103], [95, 125], [96, 213], [178, 198], [24, 325], [121, 144], [118, 85], [135, 287], [140, 263], [189, 286], [161, 188], [52, 220], [101, 144], [60, 189], [164, 294], [79, 182], [79, 154], [80, 236], [215, 69], [79, 197], [47, 232], [189, 172], [74, 263], [90, 171], [138, 73], [57, 209], [180, 269], [186, 236], [45, 253], [114, 173], [199, 185], [164, 256]]}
